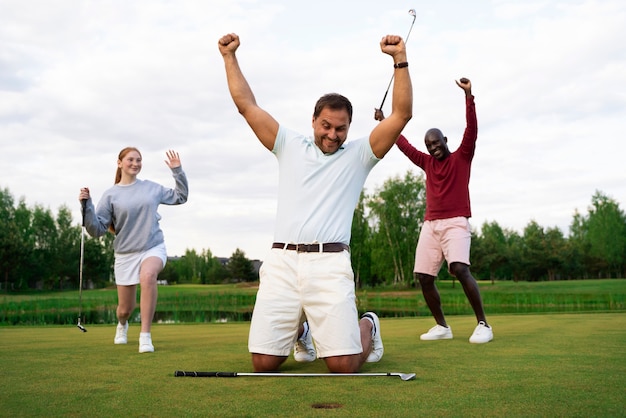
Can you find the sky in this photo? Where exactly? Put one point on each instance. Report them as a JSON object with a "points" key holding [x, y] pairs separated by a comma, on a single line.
{"points": [[80, 80]]}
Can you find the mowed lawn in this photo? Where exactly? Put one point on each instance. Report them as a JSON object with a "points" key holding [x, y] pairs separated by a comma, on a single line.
{"points": [[566, 365]]}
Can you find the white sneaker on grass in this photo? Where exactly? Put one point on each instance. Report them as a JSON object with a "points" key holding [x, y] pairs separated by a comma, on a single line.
{"points": [[377, 341], [482, 334], [145, 343], [121, 334], [437, 332], [304, 350]]}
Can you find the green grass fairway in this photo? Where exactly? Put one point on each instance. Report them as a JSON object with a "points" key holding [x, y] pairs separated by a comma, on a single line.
{"points": [[566, 365]]}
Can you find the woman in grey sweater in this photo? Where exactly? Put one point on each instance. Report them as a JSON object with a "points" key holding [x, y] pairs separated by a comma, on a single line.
{"points": [[129, 210]]}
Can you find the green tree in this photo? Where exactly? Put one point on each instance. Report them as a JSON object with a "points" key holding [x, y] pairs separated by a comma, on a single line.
{"points": [[534, 252], [201, 268], [555, 247], [240, 268], [514, 258], [12, 250], [360, 244], [190, 267], [606, 231], [65, 257], [45, 240], [577, 249], [489, 250], [99, 260], [169, 272], [216, 272], [397, 211]]}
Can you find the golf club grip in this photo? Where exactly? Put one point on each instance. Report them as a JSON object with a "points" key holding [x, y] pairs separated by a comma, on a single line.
{"points": [[83, 205], [180, 373], [383, 102]]}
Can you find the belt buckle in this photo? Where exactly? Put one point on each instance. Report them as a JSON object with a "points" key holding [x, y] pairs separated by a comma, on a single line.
{"points": [[307, 248]]}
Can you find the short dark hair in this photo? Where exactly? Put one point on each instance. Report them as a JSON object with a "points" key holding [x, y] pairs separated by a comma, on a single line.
{"points": [[333, 101]]}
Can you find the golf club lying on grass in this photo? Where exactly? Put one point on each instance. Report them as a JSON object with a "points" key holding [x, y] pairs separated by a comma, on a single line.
{"points": [[180, 373], [80, 268], [412, 13]]}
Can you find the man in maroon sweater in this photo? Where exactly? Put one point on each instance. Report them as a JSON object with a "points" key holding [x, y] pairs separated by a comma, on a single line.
{"points": [[446, 232]]}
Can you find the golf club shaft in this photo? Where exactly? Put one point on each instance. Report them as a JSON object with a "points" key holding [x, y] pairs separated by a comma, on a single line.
{"points": [[180, 373], [405, 42], [83, 203], [80, 270]]}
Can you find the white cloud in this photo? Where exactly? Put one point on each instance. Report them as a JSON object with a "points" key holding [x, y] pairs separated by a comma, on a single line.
{"points": [[80, 81]]}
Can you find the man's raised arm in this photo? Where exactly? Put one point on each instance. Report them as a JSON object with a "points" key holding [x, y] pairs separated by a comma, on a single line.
{"points": [[385, 133], [262, 123]]}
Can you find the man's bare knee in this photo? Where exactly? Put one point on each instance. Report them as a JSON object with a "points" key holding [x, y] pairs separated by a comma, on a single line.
{"points": [[425, 280], [460, 271], [266, 363], [343, 364]]}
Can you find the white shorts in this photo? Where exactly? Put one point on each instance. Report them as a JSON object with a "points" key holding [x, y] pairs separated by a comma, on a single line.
{"points": [[440, 239], [318, 285], [127, 266]]}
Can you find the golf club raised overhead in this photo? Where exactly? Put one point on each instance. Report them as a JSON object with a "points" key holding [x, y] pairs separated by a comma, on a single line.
{"points": [[180, 373], [414, 14]]}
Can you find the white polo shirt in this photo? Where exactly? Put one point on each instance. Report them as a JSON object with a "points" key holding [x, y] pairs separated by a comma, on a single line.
{"points": [[317, 193]]}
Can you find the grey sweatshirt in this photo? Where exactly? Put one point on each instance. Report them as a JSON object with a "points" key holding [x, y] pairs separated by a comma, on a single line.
{"points": [[132, 210]]}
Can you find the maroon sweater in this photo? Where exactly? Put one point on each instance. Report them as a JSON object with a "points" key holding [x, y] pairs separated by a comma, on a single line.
{"points": [[447, 181]]}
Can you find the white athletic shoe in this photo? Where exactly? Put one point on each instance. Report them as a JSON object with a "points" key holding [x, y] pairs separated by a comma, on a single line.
{"points": [[482, 334], [437, 332], [145, 343], [377, 341], [121, 334], [304, 350]]}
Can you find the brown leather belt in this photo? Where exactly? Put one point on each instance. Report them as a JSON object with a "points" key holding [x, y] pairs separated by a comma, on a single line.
{"points": [[329, 247]]}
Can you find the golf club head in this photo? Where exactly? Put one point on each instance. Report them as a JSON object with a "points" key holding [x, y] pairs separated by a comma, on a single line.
{"points": [[407, 376], [82, 328]]}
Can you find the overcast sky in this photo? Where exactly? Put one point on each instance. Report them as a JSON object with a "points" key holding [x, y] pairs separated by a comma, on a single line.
{"points": [[80, 80]]}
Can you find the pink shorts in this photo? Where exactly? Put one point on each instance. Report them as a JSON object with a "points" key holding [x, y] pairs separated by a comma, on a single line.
{"points": [[440, 239]]}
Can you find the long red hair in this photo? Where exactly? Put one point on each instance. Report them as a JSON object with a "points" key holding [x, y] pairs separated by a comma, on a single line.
{"points": [[118, 173]]}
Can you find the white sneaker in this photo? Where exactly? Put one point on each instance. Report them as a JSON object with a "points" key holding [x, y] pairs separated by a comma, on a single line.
{"points": [[121, 334], [437, 332], [377, 341], [304, 350], [145, 343], [482, 334]]}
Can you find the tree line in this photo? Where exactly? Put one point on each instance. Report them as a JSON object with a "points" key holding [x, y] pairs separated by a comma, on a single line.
{"points": [[40, 250], [387, 223]]}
